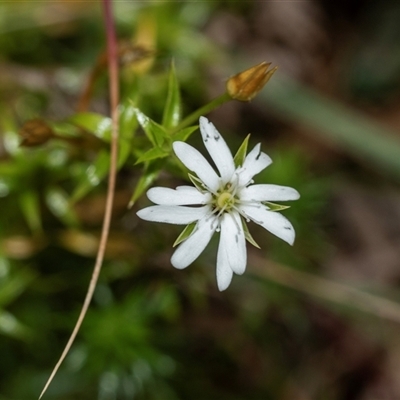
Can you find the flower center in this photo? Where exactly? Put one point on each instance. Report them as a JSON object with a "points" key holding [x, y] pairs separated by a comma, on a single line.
{"points": [[225, 201]]}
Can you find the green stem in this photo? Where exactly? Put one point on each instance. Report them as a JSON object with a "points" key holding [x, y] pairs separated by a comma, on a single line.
{"points": [[218, 101]]}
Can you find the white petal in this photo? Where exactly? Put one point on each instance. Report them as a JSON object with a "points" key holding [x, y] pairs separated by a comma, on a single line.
{"points": [[224, 272], [218, 149], [232, 244], [274, 222], [195, 161], [184, 195], [269, 193], [178, 215], [194, 245], [254, 163]]}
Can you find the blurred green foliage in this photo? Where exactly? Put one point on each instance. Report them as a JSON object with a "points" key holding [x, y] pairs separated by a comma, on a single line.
{"points": [[152, 332]]}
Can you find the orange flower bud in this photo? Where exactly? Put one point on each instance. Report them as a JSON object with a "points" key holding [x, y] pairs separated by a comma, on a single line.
{"points": [[245, 85]]}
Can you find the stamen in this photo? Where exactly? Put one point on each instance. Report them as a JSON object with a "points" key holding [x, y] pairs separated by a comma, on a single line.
{"points": [[210, 214], [236, 185], [208, 189], [218, 228], [222, 210], [242, 213], [236, 223]]}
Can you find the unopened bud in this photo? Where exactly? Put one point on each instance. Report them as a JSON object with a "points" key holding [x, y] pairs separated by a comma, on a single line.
{"points": [[35, 132], [245, 85], [131, 55]]}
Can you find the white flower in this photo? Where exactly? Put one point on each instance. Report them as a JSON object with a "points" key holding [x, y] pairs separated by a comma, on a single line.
{"points": [[225, 203]]}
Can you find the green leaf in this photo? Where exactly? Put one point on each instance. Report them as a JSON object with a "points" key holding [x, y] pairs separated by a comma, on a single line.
{"points": [[197, 183], [13, 283], [8, 169], [30, 206], [127, 120], [97, 124], [101, 126], [275, 207], [94, 175], [58, 203], [152, 154], [127, 126], [248, 236], [241, 153], [5, 187], [148, 177], [10, 326], [155, 132], [172, 110], [185, 233], [184, 134]]}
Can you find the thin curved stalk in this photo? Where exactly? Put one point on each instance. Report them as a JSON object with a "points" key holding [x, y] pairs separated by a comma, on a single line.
{"points": [[114, 99]]}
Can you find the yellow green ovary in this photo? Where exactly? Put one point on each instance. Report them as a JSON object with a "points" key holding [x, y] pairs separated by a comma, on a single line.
{"points": [[225, 201]]}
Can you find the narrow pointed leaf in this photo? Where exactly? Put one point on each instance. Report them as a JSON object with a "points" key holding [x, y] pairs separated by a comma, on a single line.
{"points": [[127, 127], [185, 133], [186, 233], [16, 283], [148, 177], [241, 153], [97, 124], [100, 127], [30, 206], [94, 175], [155, 132], [172, 110], [58, 203], [11, 326], [152, 154]]}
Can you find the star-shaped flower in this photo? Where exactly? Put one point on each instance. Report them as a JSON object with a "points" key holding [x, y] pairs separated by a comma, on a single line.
{"points": [[226, 201]]}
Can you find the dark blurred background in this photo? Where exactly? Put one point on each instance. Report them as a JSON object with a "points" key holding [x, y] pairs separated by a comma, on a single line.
{"points": [[316, 321]]}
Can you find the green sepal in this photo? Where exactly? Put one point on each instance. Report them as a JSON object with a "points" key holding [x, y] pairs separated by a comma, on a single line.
{"points": [[197, 183], [185, 234], [275, 207], [184, 133], [248, 236], [155, 132], [241, 153], [152, 154], [172, 110]]}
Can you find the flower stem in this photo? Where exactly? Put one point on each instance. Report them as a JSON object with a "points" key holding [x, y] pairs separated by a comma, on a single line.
{"points": [[218, 101], [114, 99]]}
